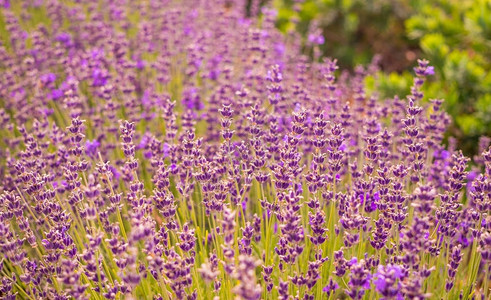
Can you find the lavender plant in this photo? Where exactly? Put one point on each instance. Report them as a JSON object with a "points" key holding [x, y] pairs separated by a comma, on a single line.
{"points": [[180, 150]]}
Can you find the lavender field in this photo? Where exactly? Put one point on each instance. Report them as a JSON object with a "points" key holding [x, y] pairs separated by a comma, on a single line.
{"points": [[164, 149]]}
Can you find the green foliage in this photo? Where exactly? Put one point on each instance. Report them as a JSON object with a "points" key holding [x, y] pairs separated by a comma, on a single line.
{"points": [[455, 35], [355, 30]]}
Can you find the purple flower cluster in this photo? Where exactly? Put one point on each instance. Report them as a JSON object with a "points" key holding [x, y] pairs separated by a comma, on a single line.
{"points": [[188, 150]]}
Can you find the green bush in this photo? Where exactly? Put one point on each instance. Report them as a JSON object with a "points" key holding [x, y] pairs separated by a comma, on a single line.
{"points": [[455, 35]]}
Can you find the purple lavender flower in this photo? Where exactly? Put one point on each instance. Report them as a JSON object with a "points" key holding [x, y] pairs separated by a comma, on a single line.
{"points": [[316, 38], [386, 281], [91, 147]]}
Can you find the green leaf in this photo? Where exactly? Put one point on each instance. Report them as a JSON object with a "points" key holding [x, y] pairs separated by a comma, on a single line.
{"points": [[469, 124]]}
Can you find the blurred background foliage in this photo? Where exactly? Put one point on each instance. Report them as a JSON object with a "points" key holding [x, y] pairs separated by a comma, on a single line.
{"points": [[455, 35]]}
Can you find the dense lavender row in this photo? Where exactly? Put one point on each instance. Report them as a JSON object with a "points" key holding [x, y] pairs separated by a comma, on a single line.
{"points": [[178, 150]]}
